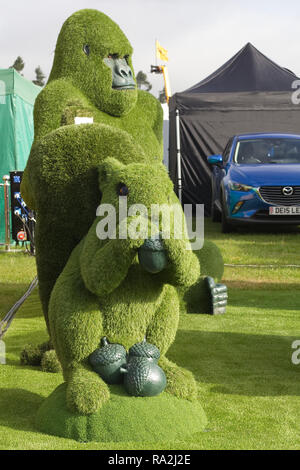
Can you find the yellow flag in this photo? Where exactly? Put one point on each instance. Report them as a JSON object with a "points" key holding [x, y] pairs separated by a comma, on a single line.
{"points": [[161, 53]]}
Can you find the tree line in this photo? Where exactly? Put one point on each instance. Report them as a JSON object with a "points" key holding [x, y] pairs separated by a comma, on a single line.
{"points": [[141, 78], [19, 65]]}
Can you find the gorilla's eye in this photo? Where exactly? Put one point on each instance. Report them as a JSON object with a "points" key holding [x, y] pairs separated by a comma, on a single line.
{"points": [[122, 190], [86, 49], [126, 57], [113, 56]]}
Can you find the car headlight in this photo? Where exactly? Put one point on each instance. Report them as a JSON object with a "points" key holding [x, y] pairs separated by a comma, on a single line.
{"points": [[239, 187]]}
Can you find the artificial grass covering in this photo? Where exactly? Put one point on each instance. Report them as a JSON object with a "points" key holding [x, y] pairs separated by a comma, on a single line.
{"points": [[123, 418], [63, 168], [60, 178], [247, 384], [83, 83], [103, 291], [60, 183]]}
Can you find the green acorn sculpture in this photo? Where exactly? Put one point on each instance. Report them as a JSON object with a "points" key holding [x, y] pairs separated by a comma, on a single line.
{"points": [[108, 360], [152, 255], [145, 350], [143, 378]]}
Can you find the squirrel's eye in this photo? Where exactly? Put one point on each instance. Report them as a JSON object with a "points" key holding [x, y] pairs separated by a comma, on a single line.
{"points": [[123, 190], [86, 49]]}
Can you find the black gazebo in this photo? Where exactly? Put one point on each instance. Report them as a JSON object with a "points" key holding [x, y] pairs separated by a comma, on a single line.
{"points": [[249, 93]]}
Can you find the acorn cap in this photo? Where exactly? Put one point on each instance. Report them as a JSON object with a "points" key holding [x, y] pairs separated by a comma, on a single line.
{"points": [[145, 350], [107, 353], [152, 244]]}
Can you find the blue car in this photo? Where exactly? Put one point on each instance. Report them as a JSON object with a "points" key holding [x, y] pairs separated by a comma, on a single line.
{"points": [[257, 180]]}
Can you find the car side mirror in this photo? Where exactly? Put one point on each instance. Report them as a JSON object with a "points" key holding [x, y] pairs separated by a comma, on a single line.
{"points": [[215, 160]]}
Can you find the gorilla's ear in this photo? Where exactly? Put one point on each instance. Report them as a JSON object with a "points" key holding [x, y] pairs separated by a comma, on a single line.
{"points": [[108, 168]]}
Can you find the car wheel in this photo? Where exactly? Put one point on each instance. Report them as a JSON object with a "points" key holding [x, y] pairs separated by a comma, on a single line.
{"points": [[215, 212], [226, 226]]}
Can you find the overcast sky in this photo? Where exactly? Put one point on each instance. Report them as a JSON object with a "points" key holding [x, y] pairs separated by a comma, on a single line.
{"points": [[199, 35]]}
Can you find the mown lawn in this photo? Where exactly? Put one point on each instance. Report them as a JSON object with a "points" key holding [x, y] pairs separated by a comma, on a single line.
{"points": [[248, 385]]}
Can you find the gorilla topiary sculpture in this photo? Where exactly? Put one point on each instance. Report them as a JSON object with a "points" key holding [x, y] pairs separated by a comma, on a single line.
{"points": [[92, 76]]}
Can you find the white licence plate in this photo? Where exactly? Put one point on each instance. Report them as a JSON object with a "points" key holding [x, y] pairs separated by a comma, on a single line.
{"points": [[281, 210]]}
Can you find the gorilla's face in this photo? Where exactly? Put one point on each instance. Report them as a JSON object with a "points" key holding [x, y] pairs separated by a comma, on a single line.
{"points": [[122, 76], [95, 55]]}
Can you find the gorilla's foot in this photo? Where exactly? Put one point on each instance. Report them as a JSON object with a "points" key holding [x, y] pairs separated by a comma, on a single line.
{"points": [[218, 296], [86, 392], [32, 355], [180, 382], [50, 362]]}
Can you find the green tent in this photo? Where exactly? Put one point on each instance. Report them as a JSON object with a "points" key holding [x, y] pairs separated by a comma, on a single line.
{"points": [[17, 96]]}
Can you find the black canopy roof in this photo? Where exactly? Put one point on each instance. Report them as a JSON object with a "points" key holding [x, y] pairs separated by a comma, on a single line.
{"points": [[248, 70]]}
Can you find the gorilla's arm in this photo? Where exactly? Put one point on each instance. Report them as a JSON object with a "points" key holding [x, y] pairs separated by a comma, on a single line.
{"points": [[49, 111], [152, 112], [51, 103]]}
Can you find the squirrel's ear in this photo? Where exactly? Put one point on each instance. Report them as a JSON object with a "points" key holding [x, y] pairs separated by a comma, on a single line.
{"points": [[107, 169]]}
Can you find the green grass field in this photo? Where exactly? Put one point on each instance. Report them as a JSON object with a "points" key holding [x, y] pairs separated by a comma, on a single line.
{"points": [[248, 385]]}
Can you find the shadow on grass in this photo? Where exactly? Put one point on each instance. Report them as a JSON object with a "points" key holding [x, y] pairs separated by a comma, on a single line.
{"points": [[239, 364], [19, 408], [11, 293], [270, 229], [283, 229], [15, 343], [268, 299], [262, 285]]}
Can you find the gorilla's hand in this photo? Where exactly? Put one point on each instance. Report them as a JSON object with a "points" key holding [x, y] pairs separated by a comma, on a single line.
{"points": [[218, 296]]}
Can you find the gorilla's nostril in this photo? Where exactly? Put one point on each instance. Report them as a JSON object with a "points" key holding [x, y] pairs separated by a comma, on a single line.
{"points": [[123, 72]]}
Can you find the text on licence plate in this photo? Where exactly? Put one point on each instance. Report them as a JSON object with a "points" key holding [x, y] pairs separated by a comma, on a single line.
{"points": [[281, 210]]}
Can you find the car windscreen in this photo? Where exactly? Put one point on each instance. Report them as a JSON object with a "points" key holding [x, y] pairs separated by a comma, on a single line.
{"points": [[267, 151]]}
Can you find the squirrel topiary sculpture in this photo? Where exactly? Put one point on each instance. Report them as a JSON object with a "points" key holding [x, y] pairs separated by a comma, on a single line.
{"points": [[104, 291]]}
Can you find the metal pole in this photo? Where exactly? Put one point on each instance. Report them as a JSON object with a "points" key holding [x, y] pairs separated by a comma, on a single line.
{"points": [[6, 211], [179, 180], [166, 82]]}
